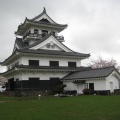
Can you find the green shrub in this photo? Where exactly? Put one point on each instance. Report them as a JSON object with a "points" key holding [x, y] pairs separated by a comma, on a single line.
{"points": [[59, 88], [87, 91]]}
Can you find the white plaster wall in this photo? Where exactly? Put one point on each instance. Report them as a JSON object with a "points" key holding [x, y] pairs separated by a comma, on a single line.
{"points": [[80, 87], [98, 84], [32, 41], [103, 84], [39, 30], [44, 61], [70, 86], [15, 61], [15, 76], [53, 40], [56, 48], [114, 79], [42, 75]]}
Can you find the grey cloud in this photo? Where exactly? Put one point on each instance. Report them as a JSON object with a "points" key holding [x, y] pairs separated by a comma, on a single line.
{"points": [[93, 25]]}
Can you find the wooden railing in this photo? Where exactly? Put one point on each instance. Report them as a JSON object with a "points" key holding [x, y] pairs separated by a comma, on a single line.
{"points": [[29, 35]]}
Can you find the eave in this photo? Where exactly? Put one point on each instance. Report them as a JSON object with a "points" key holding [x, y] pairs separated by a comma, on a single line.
{"points": [[11, 58], [25, 68], [83, 79], [53, 56], [18, 53], [27, 24]]}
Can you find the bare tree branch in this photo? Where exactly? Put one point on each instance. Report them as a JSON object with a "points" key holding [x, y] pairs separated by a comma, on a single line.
{"points": [[3, 80], [101, 63]]}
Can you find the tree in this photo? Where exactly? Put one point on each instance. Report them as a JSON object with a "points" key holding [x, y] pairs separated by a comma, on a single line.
{"points": [[59, 88], [101, 63], [3, 80]]}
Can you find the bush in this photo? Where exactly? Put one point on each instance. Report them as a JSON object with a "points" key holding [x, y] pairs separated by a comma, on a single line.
{"points": [[59, 88], [88, 91]]}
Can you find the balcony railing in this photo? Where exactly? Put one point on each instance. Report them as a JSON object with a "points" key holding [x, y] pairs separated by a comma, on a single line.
{"points": [[60, 38], [34, 35]]}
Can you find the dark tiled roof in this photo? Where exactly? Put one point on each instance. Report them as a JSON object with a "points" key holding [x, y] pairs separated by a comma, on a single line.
{"points": [[24, 45], [44, 12], [53, 52], [45, 68], [62, 26], [40, 40], [24, 48], [93, 73], [47, 23], [20, 43], [53, 67]]}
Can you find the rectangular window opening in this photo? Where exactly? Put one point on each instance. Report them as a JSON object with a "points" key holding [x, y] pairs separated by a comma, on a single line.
{"points": [[71, 64], [33, 62], [54, 63]]}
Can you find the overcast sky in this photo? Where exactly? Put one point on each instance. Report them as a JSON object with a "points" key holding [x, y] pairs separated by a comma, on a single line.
{"points": [[93, 25]]}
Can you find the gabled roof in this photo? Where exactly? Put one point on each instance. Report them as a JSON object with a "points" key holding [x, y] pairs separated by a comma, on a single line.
{"points": [[60, 44], [41, 14], [41, 52], [88, 74], [24, 45], [53, 52], [42, 23], [20, 43]]}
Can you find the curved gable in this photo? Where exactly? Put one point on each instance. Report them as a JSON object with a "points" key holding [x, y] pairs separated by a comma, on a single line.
{"points": [[51, 43]]}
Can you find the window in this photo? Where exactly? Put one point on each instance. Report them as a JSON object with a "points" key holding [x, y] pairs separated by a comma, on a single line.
{"points": [[44, 33], [53, 33], [71, 64], [35, 31], [54, 63], [34, 62], [48, 45], [54, 82], [91, 86], [53, 46]]}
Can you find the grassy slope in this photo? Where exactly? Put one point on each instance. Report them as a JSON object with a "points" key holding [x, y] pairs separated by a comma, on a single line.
{"points": [[69, 108]]}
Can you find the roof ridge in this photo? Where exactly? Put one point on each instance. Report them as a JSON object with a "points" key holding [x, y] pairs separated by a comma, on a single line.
{"points": [[44, 12], [90, 73], [98, 68], [112, 66]]}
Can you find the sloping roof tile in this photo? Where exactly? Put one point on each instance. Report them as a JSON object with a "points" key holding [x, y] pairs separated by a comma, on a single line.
{"points": [[93, 73], [53, 52], [20, 43]]}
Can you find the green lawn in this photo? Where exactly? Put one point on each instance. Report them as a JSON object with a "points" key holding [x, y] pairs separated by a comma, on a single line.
{"points": [[55, 108]]}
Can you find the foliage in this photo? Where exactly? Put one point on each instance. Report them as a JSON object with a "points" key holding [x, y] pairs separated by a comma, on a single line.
{"points": [[87, 91], [100, 63], [59, 88], [3, 80]]}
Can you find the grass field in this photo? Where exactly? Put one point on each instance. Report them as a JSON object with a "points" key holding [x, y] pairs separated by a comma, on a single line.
{"points": [[56, 108]]}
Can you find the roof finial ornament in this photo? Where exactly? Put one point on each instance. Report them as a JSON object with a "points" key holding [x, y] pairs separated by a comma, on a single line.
{"points": [[44, 10]]}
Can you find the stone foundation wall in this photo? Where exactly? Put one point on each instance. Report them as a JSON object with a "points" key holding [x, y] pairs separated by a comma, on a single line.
{"points": [[26, 93]]}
